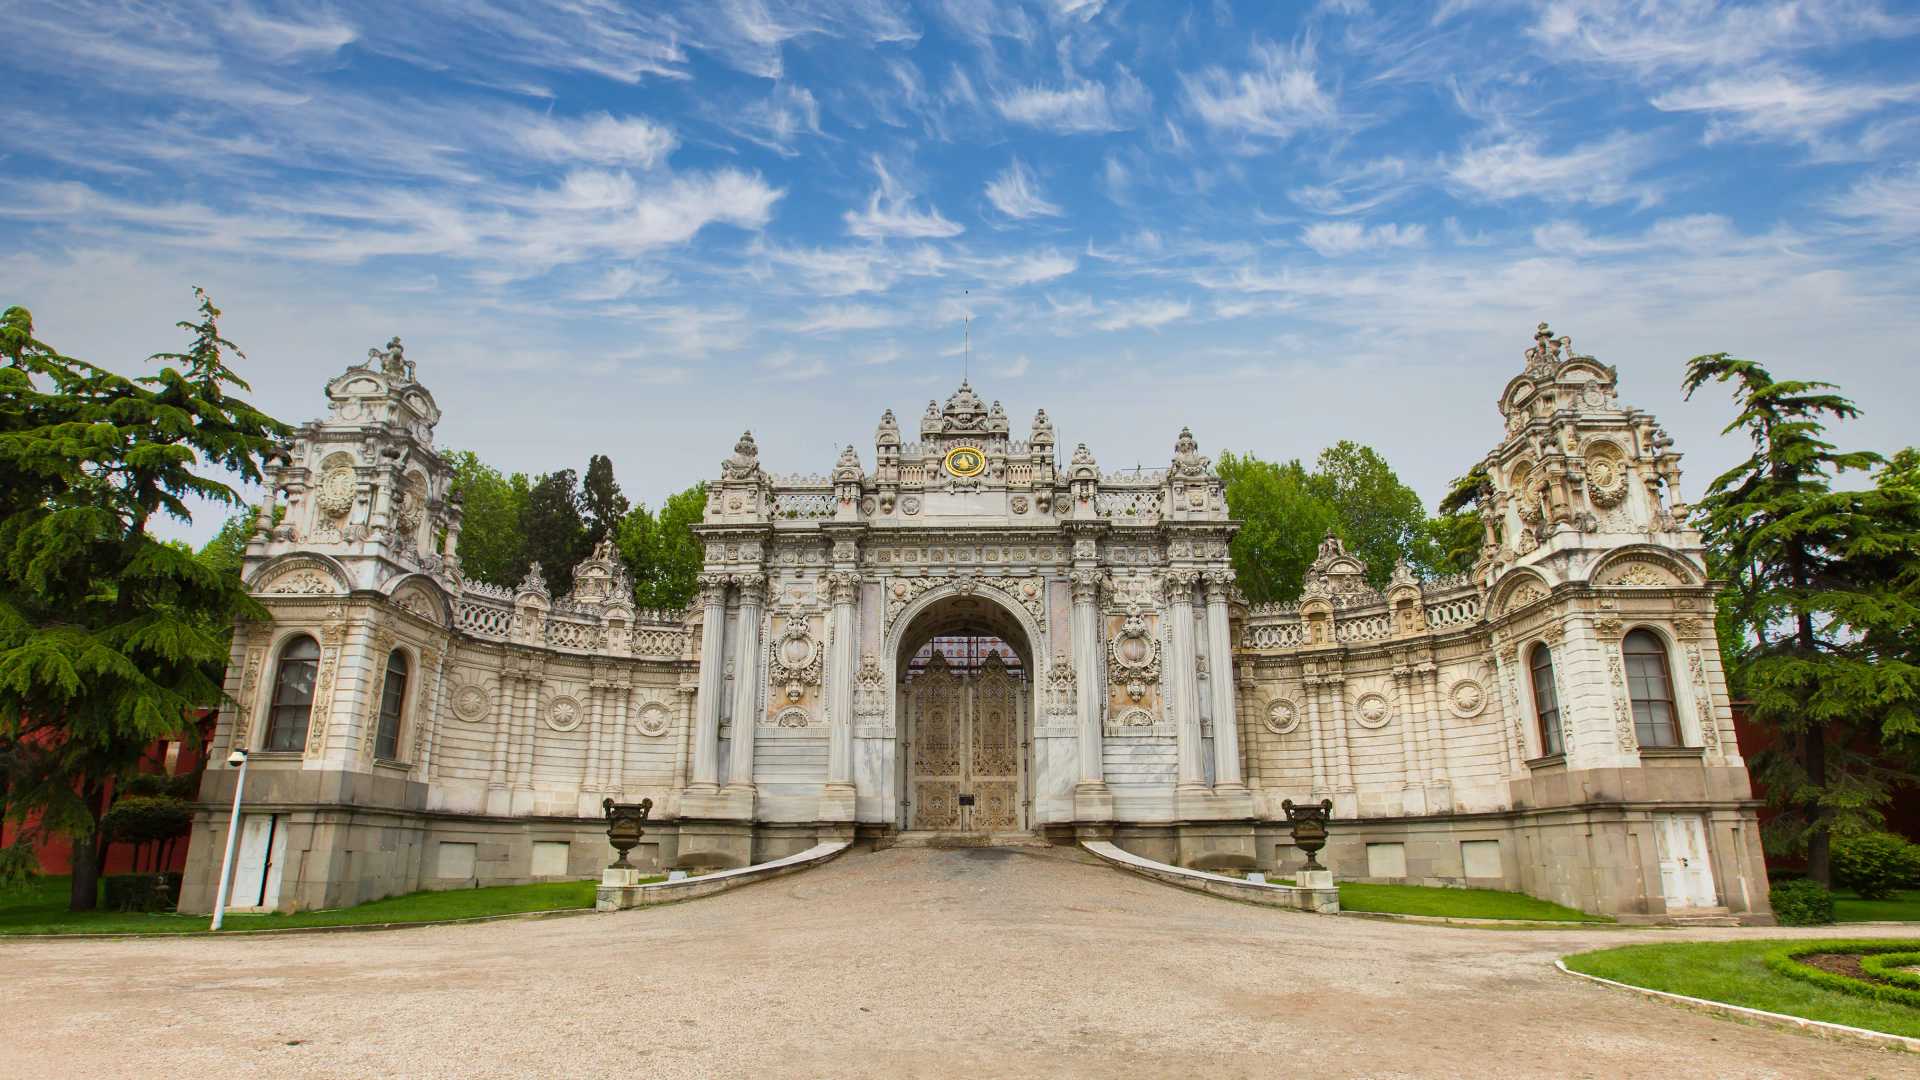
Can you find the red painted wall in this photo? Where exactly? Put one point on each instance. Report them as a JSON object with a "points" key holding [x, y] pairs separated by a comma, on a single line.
{"points": [[56, 851], [1903, 814]]}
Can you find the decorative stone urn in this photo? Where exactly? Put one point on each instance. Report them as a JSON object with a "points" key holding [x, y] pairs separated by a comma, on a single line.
{"points": [[1309, 828], [625, 826]]}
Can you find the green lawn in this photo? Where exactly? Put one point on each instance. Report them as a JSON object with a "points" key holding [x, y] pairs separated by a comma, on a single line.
{"points": [[1455, 903], [42, 909], [1901, 907], [1736, 973]]}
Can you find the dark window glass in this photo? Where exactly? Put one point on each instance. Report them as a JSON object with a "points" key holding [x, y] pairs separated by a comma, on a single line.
{"points": [[393, 694], [1650, 686], [292, 706], [1546, 703]]}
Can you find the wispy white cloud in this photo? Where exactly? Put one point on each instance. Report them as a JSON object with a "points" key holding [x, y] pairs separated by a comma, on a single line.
{"points": [[778, 120], [1277, 97], [1780, 104], [601, 139], [1357, 189], [890, 213], [1016, 193], [785, 366], [1691, 34], [1144, 314], [1885, 204], [840, 318], [1336, 238], [1601, 172], [1079, 107], [278, 38]]}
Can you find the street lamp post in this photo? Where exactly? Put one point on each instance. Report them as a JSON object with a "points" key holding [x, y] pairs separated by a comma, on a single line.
{"points": [[237, 758]]}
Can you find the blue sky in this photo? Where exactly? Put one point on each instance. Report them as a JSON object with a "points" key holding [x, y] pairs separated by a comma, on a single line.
{"points": [[639, 229]]}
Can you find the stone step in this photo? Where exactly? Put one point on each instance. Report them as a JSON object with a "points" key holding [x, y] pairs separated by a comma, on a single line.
{"points": [[1713, 916], [923, 838]]}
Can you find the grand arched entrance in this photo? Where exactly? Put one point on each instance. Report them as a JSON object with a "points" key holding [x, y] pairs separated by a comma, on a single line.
{"points": [[965, 690]]}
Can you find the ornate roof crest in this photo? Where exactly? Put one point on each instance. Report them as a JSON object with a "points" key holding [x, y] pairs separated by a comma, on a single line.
{"points": [[888, 434], [745, 461], [1187, 460], [847, 469], [1042, 427], [392, 360], [1548, 352]]}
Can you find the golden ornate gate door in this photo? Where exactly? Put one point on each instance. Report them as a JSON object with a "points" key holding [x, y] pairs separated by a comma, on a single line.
{"points": [[965, 771]]}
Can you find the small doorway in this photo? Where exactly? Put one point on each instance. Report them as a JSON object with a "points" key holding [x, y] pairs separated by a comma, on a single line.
{"points": [[256, 865], [964, 695], [1686, 869]]}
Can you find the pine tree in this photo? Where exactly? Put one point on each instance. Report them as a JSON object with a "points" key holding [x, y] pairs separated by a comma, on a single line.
{"points": [[605, 508], [554, 529], [1822, 592], [109, 636]]}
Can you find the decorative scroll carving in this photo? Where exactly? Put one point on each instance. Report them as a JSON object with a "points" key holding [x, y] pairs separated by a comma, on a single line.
{"points": [[1133, 657], [793, 716], [870, 688], [1029, 592], [1062, 692], [1702, 698], [1606, 476]]}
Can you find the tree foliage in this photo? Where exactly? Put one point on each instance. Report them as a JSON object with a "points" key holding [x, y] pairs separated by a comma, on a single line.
{"points": [[107, 634], [491, 547], [1824, 592], [661, 550], [600, 500], [553, 526], [1287, 509]]}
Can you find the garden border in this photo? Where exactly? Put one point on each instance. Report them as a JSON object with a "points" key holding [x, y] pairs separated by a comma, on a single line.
{"points": [[1881, 1038]]}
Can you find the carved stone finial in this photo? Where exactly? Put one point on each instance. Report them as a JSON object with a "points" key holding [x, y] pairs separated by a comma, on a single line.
{"points": [[1548, 352], [1082, 455], [1187, 460], [745, 460], [888, 433], [391, 360], [1042, 427], [847, 469], [535, 581]]}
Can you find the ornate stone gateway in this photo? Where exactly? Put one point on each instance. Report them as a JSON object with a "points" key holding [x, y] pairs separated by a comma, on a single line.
{"points": [[965, 747]]}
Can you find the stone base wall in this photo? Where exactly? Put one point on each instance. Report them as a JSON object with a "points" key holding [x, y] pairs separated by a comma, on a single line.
{"points": [[1602, 859]]}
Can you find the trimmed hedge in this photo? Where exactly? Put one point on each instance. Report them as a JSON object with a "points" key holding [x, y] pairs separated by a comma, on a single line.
{"points": [[1888, 966], [1786, 961], [1802, 902]]}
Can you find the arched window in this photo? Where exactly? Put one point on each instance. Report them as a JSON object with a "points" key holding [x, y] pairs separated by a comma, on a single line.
{"points": [[292, 707], [1650, 685], [1546, 703], [393, 696]]}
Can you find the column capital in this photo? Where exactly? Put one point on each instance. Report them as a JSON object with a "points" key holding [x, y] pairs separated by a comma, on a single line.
{"points": [[713, 589], [845, 585], [1086, 586], [753, 587], [1219, 585]]}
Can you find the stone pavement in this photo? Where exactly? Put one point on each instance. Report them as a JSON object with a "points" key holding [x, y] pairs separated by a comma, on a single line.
{"points": [[918, 963]]}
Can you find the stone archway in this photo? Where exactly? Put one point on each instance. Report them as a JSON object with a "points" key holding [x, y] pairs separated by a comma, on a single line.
{"points": [[964, 680]]}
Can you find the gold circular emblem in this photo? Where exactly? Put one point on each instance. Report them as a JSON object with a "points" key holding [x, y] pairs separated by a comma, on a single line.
{"points": [[966, 461]]}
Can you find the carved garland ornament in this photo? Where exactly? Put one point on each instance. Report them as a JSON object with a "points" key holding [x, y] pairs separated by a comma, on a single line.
{"points": [[1028, 592], [1606, 477], [794, 659]]}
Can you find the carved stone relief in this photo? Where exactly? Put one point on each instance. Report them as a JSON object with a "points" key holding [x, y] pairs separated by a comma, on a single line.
{"points": [[1372, 711], [1467, 699], [564, 713], [652, 720], [1283, 716], [471, 703]]}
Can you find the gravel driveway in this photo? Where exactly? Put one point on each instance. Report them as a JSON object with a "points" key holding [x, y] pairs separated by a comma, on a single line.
{"points": [[973, 963]]}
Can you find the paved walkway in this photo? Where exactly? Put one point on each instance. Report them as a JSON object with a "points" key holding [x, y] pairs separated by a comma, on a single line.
{"points": [[984, 963]]}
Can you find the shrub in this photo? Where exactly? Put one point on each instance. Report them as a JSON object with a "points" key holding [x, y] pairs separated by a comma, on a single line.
{"points": [[1875, 864], [1893, 967], [143, 819], [141, 892], [1802, 903]]}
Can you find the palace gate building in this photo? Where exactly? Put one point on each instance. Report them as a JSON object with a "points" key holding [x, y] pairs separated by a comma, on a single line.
{"points": [[975, 636]]}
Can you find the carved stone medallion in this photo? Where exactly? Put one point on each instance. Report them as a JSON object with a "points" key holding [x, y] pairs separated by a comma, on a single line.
{"points": [[563, 714], [471, 703], [1372, 711], [1467, 699], [653, 720], [1283, 716]]}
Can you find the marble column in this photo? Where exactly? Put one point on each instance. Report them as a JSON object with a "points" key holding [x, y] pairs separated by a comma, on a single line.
{"points": [[1342, 757], [1316, 736], [1182, 686], [1089, 676], [747, 678], [1436, 735], [620, 705], [837, 802], [1226, 722], [706, 722], [596, 747]]}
